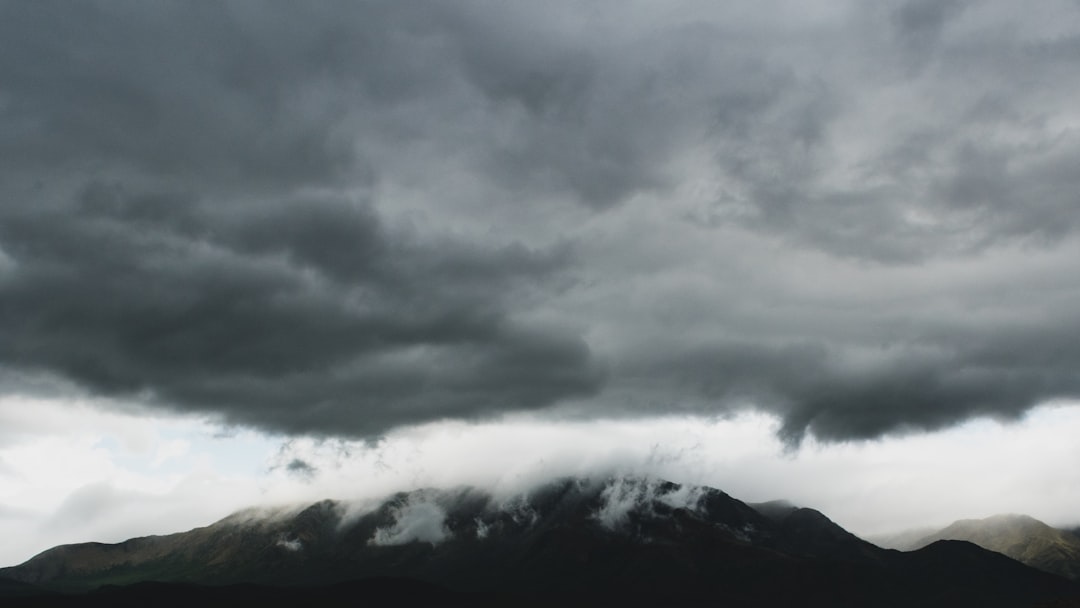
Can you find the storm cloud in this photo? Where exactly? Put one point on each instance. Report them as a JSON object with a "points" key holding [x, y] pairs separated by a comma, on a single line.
{"points": [[344, 218]]}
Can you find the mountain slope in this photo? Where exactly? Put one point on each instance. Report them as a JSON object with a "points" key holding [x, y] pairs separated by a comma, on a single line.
{"points": [[1020, 537], [810, 532], [634, 539], [11, 588]]}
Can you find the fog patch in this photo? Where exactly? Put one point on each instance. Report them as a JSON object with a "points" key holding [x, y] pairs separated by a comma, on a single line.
{"points": [[264, 516], [626, 494], [520, 511], [481, 529], [684, 497], [353, 510], [418, 520], [290, 545]]}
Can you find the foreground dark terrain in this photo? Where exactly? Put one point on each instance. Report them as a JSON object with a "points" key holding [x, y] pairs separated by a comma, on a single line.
{"points": [[582, 542]]}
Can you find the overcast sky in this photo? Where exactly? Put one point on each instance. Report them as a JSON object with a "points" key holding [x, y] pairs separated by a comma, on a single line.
{"points": [[252, 231]]}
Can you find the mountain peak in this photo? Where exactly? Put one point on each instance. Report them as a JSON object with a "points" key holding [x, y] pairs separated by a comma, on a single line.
{"points": [[775, 510]]}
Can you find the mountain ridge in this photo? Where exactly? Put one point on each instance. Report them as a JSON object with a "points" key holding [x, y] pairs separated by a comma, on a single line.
{"points": [[631, 537]]}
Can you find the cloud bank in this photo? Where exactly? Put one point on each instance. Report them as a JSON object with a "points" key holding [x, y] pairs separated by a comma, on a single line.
{"points": [[347, 218], [74, 472]]}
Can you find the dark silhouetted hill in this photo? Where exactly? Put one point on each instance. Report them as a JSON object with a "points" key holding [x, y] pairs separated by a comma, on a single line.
{"points": [[571, 542]]}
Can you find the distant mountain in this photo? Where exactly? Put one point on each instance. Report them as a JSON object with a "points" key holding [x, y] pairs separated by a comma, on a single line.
{"points": [[569, 542], [1022, 538]]}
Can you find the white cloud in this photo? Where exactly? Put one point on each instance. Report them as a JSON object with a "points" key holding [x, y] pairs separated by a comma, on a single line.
{"points": [[980, 467], [629, 493], [90, 475], [481, 529], [170, 450], [73, 473], [290, 545], [418, 520]]}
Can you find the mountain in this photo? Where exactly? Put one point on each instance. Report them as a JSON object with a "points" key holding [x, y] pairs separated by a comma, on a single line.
{"points": [[1022, 538], [811, 533], [12, 588], [569, 542]]}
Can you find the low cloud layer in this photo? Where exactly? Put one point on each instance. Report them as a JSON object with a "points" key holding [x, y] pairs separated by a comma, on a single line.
{"points": [[88, 474], [347, 218]]}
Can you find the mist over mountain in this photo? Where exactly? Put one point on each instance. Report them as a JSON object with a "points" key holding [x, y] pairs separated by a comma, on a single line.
{"points": [[904, 540], [567, 541]]}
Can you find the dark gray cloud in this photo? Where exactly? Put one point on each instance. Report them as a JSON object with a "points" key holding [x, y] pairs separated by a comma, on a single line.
{"points": [[305, 315], [301, 468], [342, 218], [817, 391]]}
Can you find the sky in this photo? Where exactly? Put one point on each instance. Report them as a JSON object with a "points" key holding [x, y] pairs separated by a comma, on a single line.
{"points": [[254, 252]]}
